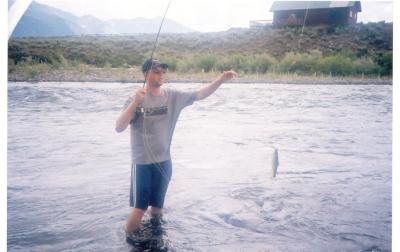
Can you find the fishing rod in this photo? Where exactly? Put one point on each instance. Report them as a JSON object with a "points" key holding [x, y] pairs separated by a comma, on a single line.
{"points": [[142, 110], [156, 42]]}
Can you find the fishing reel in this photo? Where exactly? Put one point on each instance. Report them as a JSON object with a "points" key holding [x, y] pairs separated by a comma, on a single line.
{"points": [[140, 110], [138, 113]]}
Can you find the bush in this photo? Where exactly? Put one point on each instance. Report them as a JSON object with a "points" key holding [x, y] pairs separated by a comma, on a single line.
{"points": [[57, 60], [342, 64], [100, 61], [11, 65], [171, 62], [385, 61], [336, 65], [186, 65], [33, 72], [261, 63], [302, 63], [134, 59], [366, 66], [239, 62], [117, 61], [223, 64], [17, 53], [206, 62]]}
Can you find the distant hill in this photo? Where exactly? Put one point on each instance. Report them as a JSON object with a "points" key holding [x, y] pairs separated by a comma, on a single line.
{"points": [[339, 50], [360, 39], [41, 20]]}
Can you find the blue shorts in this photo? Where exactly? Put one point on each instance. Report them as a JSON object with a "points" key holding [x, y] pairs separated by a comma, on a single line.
{"points": [[149, 184]]}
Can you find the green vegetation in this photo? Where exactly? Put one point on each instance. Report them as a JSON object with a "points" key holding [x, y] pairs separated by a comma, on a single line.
{"points": [[359, 50]]}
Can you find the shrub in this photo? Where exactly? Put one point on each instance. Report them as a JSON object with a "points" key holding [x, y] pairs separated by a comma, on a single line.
{"points": [[134, 59], [366, 66], [11, 65], [33, 72], [223, 64], [261, 63], [116, 61], [57, 60], [171, 62], [206, 62], [239, 62], [385, 61], [336, 65], [300, 62]]}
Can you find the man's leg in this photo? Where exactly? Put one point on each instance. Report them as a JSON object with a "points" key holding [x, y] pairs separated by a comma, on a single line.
{"points": [[155, 211], [161, 177], [134, 218], [138, 199]]}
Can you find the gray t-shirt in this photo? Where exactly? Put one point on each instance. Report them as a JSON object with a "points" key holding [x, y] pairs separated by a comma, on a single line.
{"points": [[151, 133]]}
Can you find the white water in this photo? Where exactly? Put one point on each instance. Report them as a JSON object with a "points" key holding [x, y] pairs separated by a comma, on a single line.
{"points": [[68, 170]]}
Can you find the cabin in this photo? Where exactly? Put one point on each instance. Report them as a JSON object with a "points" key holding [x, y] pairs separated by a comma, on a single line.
{"points": [[299, 13]]}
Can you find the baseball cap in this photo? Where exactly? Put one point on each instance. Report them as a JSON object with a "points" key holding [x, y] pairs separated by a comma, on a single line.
{"points": [[152, 63]]}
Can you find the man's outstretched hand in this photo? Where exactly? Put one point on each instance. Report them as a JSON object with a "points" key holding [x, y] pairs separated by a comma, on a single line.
{"points": [[227, 75], [205, 91]]}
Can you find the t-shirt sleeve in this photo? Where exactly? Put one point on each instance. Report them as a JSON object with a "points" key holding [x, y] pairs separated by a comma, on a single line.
{"points": [[183, 99]]}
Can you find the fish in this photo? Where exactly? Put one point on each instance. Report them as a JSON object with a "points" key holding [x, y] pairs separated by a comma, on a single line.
{"points": [[275, 163]]}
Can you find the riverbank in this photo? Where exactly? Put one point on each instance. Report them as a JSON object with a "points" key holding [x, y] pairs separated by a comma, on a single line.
{"points": [[134, 75]]}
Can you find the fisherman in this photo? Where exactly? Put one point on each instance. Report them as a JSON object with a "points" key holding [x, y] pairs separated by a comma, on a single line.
{"points": [[152, 113]]}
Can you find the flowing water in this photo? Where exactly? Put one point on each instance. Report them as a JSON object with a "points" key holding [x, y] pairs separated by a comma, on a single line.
{"points": [[69, 171]]}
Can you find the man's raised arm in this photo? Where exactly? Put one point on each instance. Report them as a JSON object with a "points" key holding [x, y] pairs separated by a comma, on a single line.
{"points": [[207, 90]]}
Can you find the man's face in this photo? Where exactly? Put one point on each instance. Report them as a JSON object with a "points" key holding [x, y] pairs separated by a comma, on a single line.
{"points": [[155, 76]]}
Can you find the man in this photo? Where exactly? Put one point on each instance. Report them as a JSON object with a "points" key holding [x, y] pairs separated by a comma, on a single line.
{"points": [[152, 114]]}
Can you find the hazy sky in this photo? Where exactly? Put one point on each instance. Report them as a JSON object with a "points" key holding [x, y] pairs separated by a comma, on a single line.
{"points": [[201, 15]]}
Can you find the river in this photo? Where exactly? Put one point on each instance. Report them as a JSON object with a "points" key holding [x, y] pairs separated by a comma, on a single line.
{"points": [[68, 170]]}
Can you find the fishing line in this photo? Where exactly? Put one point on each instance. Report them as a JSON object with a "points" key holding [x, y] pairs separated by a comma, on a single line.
{"points": [[304, 23], [275, 157]]}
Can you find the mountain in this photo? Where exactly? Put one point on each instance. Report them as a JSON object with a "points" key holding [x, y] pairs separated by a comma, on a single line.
{"points": [[41, 20], [92, 25]]}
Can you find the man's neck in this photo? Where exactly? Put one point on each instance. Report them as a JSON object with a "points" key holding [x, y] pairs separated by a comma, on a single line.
{"points": [[156, 91]]}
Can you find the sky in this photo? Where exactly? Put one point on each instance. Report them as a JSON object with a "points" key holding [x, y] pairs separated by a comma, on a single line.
{"points": [[200, 15]]}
